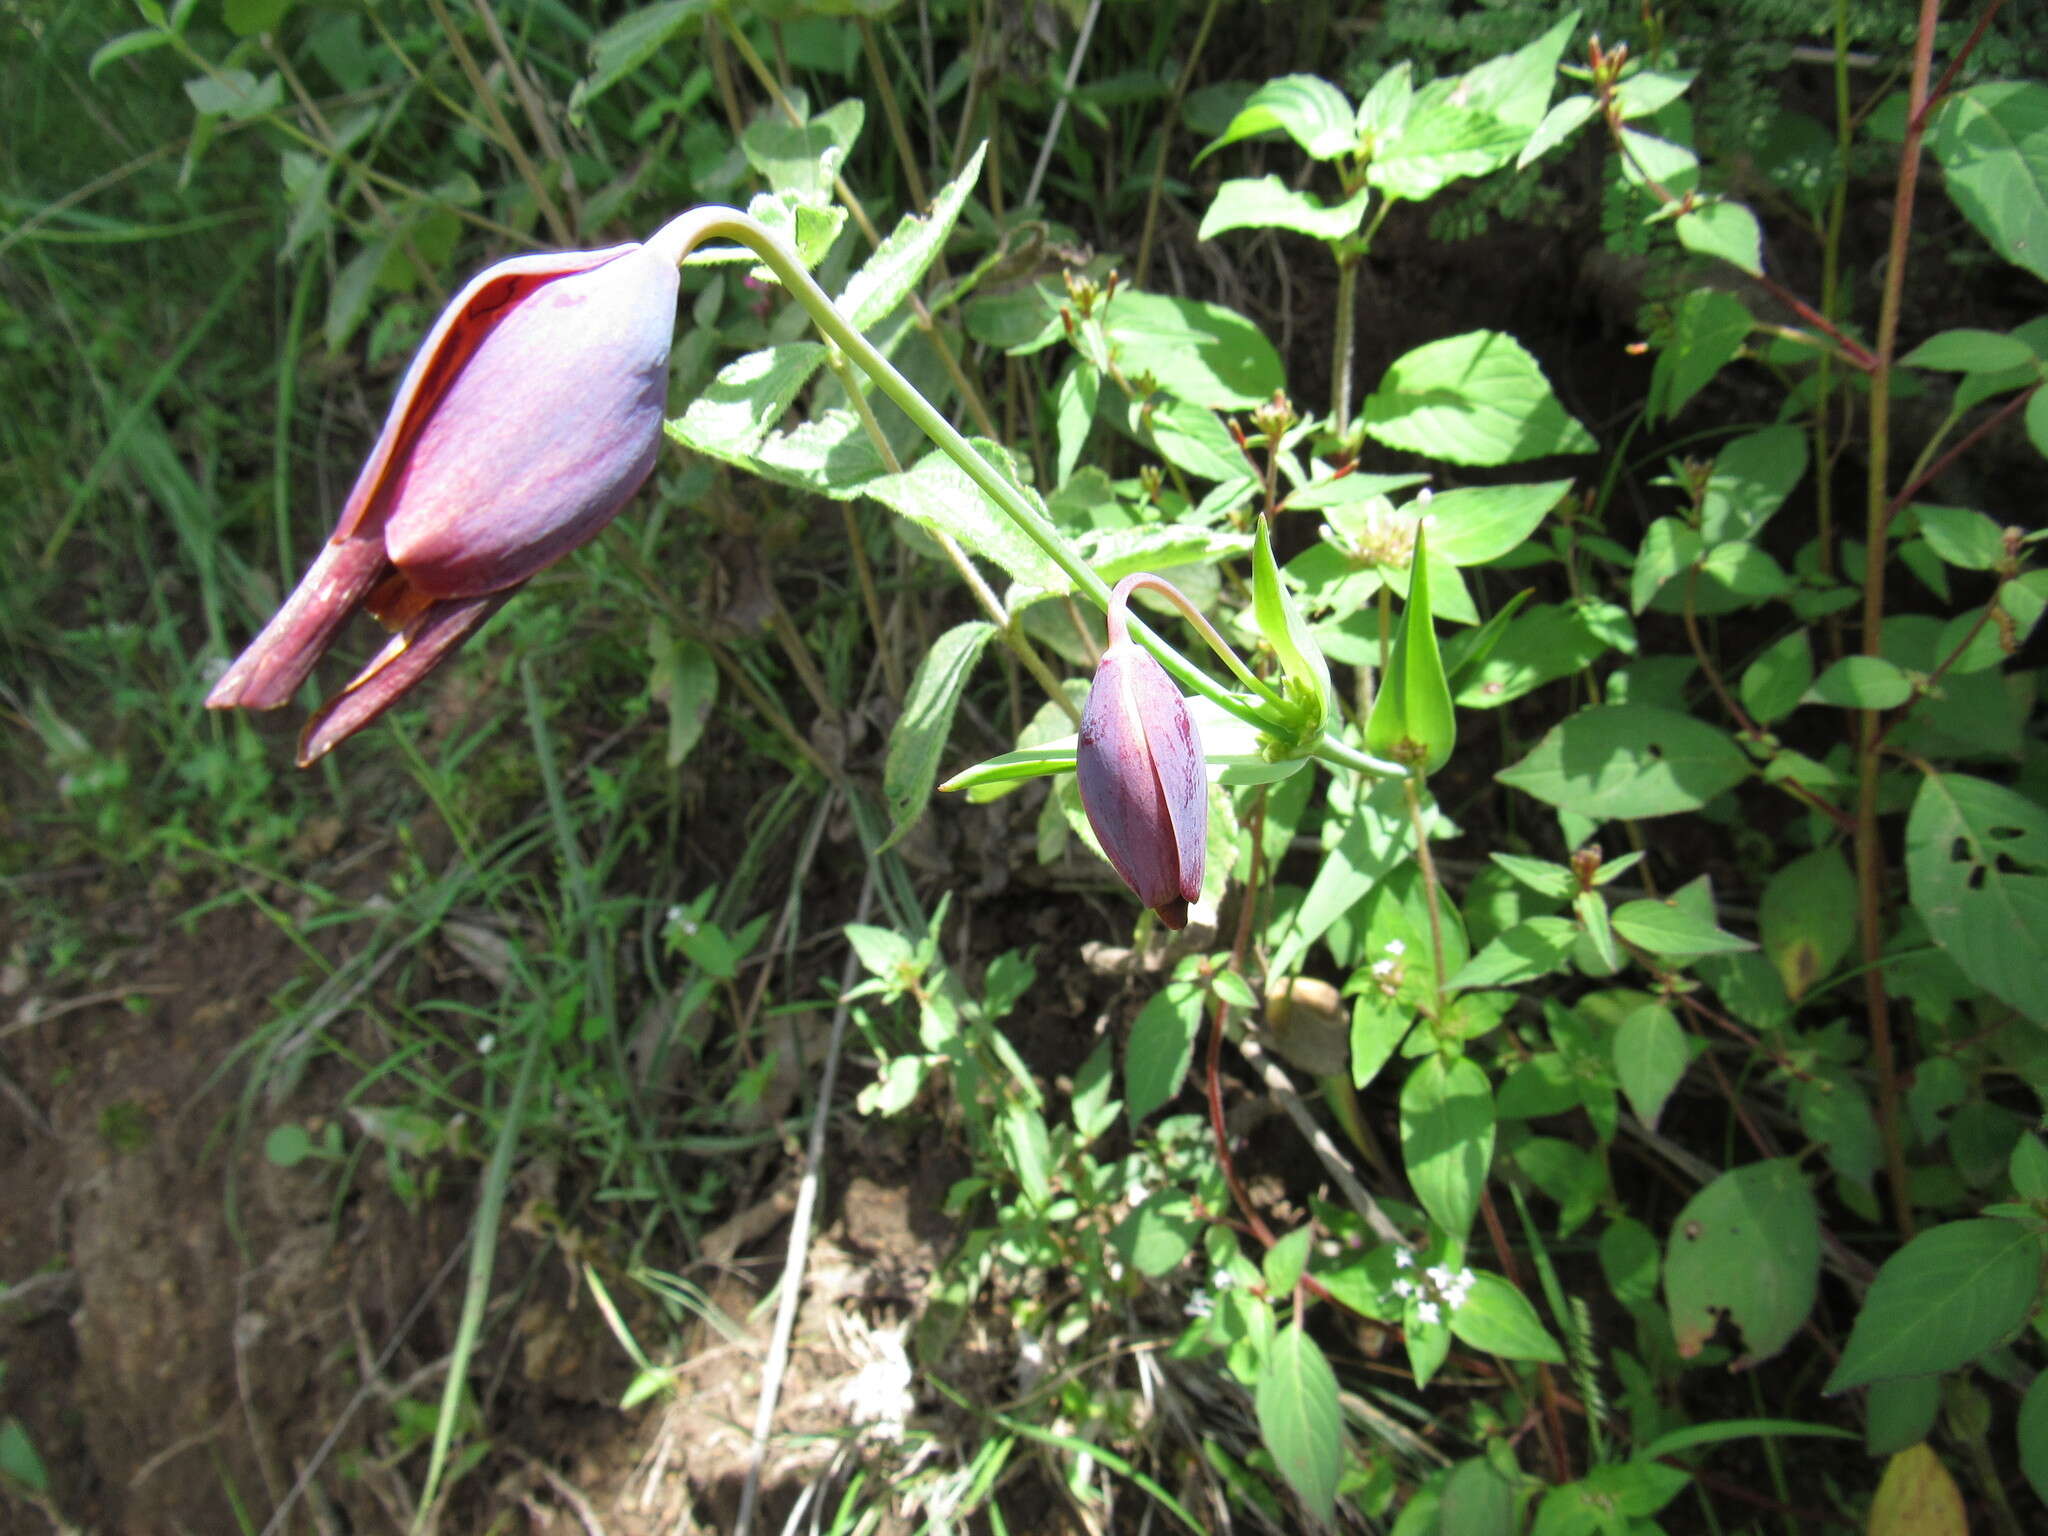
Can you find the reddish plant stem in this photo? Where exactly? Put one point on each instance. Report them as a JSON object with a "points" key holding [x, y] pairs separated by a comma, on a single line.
{"points": [[1870, 856], [1553, 1419], [1963, 445], [1948, 76]]}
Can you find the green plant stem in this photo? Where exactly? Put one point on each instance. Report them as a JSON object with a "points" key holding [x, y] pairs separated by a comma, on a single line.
{"points": [[991, 605], [1411, 787], [1870, 855], [687, 231], [558, 226], [1169, 121], [878, 74], [1342, 347], [1119, 625]]}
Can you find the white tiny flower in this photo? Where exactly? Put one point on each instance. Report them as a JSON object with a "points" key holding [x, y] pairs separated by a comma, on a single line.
{"points": [[1199, 1304], [483, 1046], [1383, 967], [1438, 1276], [1427, 1312], [1404, 1288], [1403, 1258], [1223, 1280], [1396, 947]]}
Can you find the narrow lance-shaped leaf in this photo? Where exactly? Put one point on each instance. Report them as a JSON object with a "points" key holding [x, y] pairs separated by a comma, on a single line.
{"points": [[1301, 659], [1412, 719]]}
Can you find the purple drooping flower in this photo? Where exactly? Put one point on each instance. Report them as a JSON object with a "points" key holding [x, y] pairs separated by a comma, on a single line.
{"points": [[530, 415], [1139, 762]]}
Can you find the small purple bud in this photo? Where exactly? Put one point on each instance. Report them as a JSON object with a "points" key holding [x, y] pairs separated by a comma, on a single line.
{"points": [[529, 416], [1142, 782]]}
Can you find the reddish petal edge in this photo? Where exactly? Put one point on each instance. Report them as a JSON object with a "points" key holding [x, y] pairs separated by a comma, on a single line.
{"points": [[271, 667], [442, 355], [392, 672]]}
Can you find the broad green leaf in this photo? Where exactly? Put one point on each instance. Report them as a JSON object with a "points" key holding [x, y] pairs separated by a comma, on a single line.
{"points": [[1590, 1507], [1375, 838], [920, 733], [1447, 1130], [2032, 1429], [1664, 928], [1669, 547], [1074, 413], [1473, 123], [1299, 1420], [1969, 350], [1029, 1148], [1977, 872], [1646, 158], [1960, 536], [1483, 522], [1747, 1247], [804, 158], [900, 262], [1307, 108], [936, 494], [831, 455], [1497, 1318], [1195, 350], [1750, 480], [1861, 682], [1776, 681], [1475, 1500], [1286, 1259], [1724, 229], [1992, 142], [1155, 1237], [1545, 643], [632, 40], [1161, 1046], [234, 94], [1646, 92], [1191, 437], [1472, 399], [1564, 119], [1650, 1056], [2028, 1168], [1807, 918], [1950, 1295], [1917, 1497], [20, 1463], [733, 414], [1622, 761], [1537, 946], [683, 680], [246, 18], [1412, 719], [1267, 202], [1706, 334], [1899, 1413], [1378, 1026]]}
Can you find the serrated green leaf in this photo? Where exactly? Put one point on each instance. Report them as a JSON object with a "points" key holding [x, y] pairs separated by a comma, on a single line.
{"points": [[1707, 333], [1970, 350], [1950, 1295], [900, 262], [1960, 536], [633, 39], [1665, 929], [936, 494], [1161, 1046]]}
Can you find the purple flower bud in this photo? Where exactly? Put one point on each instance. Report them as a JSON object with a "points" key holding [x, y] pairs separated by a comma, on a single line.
{"points": [[1142, 783], [528, 418]]}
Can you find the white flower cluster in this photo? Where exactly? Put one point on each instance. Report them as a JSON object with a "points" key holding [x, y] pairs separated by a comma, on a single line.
{"points": [[1437, 1294]]}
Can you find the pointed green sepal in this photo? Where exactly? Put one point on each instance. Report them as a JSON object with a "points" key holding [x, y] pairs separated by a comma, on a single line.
{"points": [[1412, 720], [1301, 659]]}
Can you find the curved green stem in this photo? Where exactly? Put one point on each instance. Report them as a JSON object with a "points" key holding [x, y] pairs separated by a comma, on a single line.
{"points": [[684, 233]]}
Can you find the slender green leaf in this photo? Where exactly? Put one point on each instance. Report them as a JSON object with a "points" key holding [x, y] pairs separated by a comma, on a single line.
{"points": [[920, 733], [1950, 1295]]}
